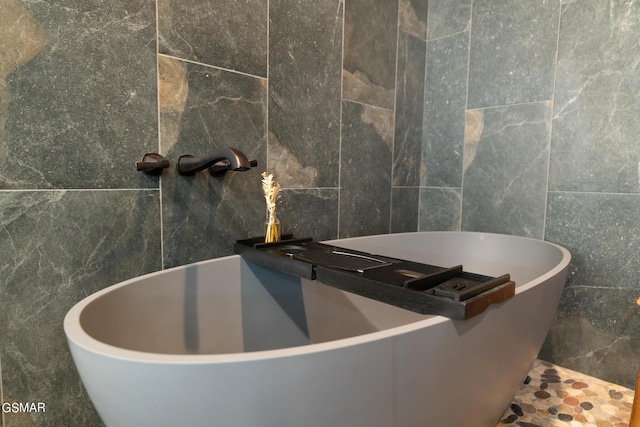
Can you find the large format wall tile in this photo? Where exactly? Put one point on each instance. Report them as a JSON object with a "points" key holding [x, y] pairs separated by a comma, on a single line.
{"points": [[412, 17], [370, 37], [505, 173], [440, 209], [513, 50], [58, 247], [226, 33], [447, 17], [599, 325], [444, 111], [305, 59], [83, 110], [575, 342], [596, 127], [365, 194], [404, 209], [603, 232], [309, 213], [203, 108], [407, 143]]}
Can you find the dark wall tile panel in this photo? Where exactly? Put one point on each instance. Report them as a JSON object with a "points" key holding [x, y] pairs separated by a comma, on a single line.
{"points": [[365, 193], [305, 60], [309, 213], [575, 342], [505, 172], [412, 17], [440, 209], [447, 17], [226, 33], [595, 129], [513, 51], [58, 247], [603, 231], [404, 209], [444, 111], [407, 144], [83, 109], [370, 37], [598, 326]]}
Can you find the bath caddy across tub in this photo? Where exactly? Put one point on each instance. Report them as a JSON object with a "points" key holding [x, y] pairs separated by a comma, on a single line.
{"points": [[422, 288]]}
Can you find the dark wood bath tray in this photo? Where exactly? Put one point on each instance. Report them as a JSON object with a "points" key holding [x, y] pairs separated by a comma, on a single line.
{"points": [[422, 288]]}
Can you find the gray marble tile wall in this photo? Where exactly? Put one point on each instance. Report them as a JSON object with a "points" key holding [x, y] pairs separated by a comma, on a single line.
{"points": [[530, 127], [327, 94]]}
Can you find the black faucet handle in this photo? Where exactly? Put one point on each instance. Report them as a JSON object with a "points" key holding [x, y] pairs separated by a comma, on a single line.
{"points": [[152, 164]]}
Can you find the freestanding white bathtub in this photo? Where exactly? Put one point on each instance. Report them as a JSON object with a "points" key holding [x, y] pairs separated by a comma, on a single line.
{"points": [[229, 343]]}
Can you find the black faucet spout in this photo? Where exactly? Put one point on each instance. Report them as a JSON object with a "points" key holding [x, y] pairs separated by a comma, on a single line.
{"points": [[218, 161]]}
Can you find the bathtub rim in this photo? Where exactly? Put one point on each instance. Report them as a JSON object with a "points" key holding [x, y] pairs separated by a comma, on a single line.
{"points": [[79, 338]]}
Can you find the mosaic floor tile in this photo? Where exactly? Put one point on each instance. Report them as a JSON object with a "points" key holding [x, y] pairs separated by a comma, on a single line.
{"points": [[556, 396]]}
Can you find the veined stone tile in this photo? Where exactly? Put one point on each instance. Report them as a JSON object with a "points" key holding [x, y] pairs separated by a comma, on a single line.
{"points": [[58, 247], [407, 144], [369, 63], [77, 94], [447, 17], [412, 17], [602, 232], [513, 52], [224, 33], [365, 193], [597, 327], [506, 155], [578, 341], [309, 213], [305, 59], [444, 111], [404, 209], [440, 209], [595, 130]]}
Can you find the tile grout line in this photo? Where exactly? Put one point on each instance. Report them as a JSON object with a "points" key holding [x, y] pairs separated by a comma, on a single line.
{"points": [[160, 180], [395, 116], [342, 100], [268, 90], [550, 136], [422, 136], [466, 107], [211, 66]]}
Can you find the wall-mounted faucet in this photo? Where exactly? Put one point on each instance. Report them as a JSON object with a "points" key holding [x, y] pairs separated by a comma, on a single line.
{"points": [[218, 161]]}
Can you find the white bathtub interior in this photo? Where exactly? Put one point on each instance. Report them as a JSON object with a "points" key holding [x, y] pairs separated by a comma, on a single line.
{"points": [[214, 314]]}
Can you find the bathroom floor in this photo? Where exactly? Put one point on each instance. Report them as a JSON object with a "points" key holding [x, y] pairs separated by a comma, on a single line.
{"points": [[556, 396]]}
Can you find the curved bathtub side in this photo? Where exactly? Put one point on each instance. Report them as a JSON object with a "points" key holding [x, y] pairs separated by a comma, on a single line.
{"points": [[337, 387], [449, 373], [435, 372], [477, 365]]}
